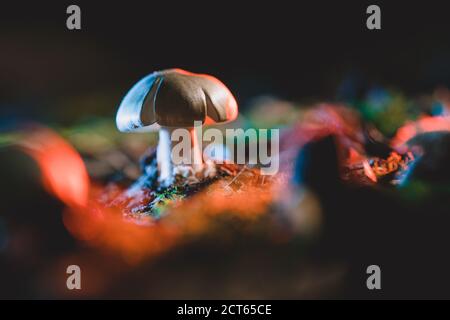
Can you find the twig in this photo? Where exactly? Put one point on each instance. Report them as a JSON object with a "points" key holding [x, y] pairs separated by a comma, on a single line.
{"points": [[231, 182], [263, 180]]}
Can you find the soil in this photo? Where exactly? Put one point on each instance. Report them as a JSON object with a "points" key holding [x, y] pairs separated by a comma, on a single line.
{"points": [[146, 198]]}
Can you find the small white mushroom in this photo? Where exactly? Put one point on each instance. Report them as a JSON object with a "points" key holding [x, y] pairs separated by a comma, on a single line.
{"points": [[170, 99]]}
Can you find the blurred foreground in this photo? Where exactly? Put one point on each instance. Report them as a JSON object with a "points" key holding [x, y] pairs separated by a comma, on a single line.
{"points": [[361, 183]]}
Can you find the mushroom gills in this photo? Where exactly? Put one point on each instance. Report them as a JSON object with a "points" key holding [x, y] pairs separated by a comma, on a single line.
{"points": [[134, 113]]}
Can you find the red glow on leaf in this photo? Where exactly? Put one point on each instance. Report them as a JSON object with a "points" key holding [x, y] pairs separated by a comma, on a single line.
{"points": [[426, 124], [369, 171], [63, 171]]}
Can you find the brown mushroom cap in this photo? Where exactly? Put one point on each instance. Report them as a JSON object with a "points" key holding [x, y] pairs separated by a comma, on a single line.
{"points": [[175, 98]]}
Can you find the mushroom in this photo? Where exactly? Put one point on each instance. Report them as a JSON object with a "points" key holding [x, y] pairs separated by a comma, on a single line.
{"points": [[170, 99]]}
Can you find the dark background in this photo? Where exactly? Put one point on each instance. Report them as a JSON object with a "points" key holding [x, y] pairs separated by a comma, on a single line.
{"points": [[295, 50]]}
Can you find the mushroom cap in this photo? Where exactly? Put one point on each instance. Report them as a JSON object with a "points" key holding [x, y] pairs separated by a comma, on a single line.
{"points": [[175, 98]]}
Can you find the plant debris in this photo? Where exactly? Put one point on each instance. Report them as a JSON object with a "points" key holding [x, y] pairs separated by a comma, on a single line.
{"points": [[147, 200]]}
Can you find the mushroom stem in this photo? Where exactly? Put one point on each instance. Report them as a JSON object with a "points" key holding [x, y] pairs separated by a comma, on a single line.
{"points": [[164, 154], [196, 150]]}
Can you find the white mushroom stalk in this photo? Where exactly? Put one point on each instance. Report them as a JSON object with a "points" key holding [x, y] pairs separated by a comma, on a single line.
{"points": [[164, 155], [166, 100], [165, 159]]}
